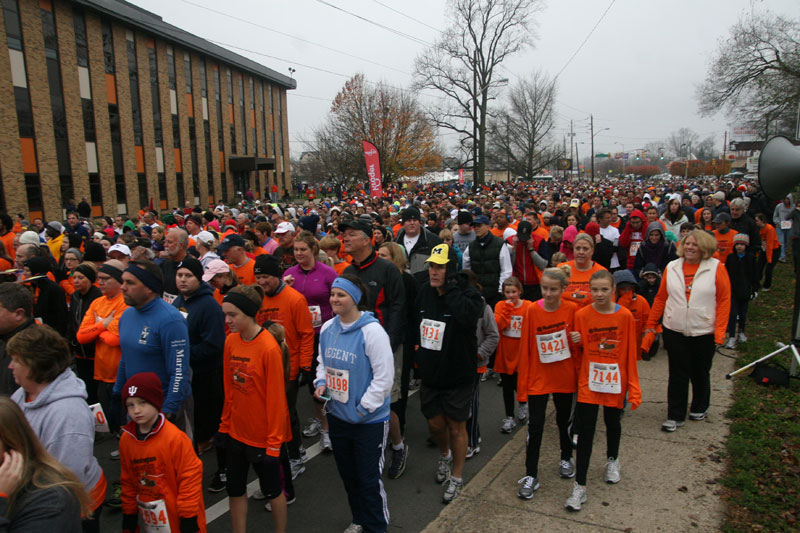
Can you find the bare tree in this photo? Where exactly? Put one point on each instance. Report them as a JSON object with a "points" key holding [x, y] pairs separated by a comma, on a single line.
{"points": [[679, 141], [706, 149], [755, 74], [463, 63], [389, 118], [519, 137]]}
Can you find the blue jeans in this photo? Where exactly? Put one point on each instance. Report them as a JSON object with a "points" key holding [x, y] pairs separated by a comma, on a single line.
{"points": [[358, 450], [785, 238]]}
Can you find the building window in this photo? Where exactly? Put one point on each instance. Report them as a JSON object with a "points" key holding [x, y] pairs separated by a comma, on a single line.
{"points": [[171, 68], [203, 81], [88, 121], [230, 85], [223, 179], [108, 47], [176, 132], [193, 151], [263, 120], [95, 189], [187, 68], [81, 45], [154, 95], [119, 184], [143, 197], [209, 173], [133, 76], [24, 112], [33, 190], [272, 124], [243, 114], [179, 184], [220, 130], [162, 186], [13, 26]]}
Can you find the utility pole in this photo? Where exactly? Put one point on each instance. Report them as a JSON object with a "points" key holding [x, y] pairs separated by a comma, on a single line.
{"points": [[591, 131], [571, 142], [725, 146], [474, 122]]}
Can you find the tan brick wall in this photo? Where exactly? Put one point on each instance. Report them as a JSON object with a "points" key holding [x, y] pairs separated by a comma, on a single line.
{"points": [[226, 132], [212, 122], [10, 151], [38, 86], [199, 123], [65, 28], [183, 120], [148, 132], [125, 110], [166, 120], [97, 73], [286, 166]]}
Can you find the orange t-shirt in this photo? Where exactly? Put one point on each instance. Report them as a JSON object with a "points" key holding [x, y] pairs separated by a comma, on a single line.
{"points": [[640, 310], [8, 242], [340, 267], [578, 289], [5, 264], [724, 244], [106, 341], [770, 239], [245, 272], [289, 308], [255, 411], [607, 340], [510, 322], [554, 369]]}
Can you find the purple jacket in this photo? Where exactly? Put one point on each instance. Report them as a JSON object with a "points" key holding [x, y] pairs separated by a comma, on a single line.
{"points": [[315, 285]]}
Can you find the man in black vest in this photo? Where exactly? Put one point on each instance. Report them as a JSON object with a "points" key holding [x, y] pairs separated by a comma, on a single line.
{"points": [[489, 258]]}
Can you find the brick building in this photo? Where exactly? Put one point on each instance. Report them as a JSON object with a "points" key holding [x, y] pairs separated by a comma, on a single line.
{"points": [[100, 99]]}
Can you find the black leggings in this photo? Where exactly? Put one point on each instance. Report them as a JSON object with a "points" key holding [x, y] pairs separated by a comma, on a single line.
{"points": [[586, 420], [538, 408], [509, 392]]}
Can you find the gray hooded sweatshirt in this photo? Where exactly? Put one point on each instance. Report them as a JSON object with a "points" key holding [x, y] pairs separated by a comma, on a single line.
{"points": [[64, 424], [782, 212]]}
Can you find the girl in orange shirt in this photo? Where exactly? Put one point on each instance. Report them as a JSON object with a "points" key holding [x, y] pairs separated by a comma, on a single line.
{"points": [[582, 268], [547, 367], [607, 334], [255, 415], [510, 315]]}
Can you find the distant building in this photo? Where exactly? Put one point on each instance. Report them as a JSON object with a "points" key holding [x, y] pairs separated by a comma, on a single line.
{"points": [[104, 100]]}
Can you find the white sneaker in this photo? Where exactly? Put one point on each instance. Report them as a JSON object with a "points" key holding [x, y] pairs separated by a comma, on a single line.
{"points": [[508, 424], [325, 441], [354, 528], [313, 428], [114, 455], [268, 507], [566, 469], [742, 337], [612, 471], [522, 412], [473, 451], [577, 498], [731, 344], [258, 495], [297, 467], [671, 425]]}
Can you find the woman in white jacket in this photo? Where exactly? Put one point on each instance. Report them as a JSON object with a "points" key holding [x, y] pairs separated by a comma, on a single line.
{"points": [[694, 299], [673, 217]]}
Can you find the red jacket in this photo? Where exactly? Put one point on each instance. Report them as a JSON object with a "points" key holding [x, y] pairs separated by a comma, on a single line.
{"points": [[630, 240], [524, 269]]}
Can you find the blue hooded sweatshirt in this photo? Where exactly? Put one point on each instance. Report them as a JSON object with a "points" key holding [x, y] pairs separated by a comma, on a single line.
{"points": [[358, 361]]}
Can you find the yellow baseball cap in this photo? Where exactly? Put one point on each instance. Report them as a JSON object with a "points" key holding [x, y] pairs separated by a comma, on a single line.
{"points": [[439, 255]]}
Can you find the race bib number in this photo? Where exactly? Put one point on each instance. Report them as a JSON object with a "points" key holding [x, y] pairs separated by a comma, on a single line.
{"points": [[153, 517], [316, 315], [100, 422], [553, 347], [604, 378], [431, 334], [634, 248], [169, 298], [786, 224], [514, 329], [338, 383]]}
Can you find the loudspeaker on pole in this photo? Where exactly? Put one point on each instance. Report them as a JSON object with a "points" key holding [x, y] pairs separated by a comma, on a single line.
{"points": [[779, 167]]}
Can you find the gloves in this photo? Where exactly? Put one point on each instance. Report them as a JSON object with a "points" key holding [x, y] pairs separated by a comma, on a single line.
{"points": [[305, 377], [189, 524]]}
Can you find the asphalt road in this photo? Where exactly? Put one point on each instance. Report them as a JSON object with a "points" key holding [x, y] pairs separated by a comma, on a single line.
{"points": [[414, 499]]}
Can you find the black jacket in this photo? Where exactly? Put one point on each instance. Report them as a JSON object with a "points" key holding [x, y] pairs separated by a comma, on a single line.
{"points": [[78, 306], [742, 273], [51, 305], [206, 324], [746, 224], [459, 308], [420, 252], [386, 294], [42, 511], [7, 383]]}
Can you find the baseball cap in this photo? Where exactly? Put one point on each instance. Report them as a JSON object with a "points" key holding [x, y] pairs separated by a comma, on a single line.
{"points": [[439, 255], [122, 248], [215, 266], [230, 241], [480, 219], [575, 203], [722, 217], [624, 276], [356, 224], [524, 230], [205, 237], [284, 227]]}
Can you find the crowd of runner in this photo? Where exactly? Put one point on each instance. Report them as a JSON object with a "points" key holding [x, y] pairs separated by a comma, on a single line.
{"points": [[196, 330]]}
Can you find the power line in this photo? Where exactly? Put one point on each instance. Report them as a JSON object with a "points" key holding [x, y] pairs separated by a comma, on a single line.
{"points": [[407, 16], [378, 24], [250, 22], [586, 39]]}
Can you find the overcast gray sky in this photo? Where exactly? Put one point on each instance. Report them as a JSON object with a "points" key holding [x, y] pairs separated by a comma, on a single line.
{"points": [[637, 73]]}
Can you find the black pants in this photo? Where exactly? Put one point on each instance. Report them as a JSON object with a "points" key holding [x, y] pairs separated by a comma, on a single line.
{"points": [[738, 315], [104, 391], [358, 450], [92, 525], [689, 361], [586, 418], [473, 427], [509, 392], [84, 368], [297, 439], [537, 406], [532, 292], [209, 396], [765, 269]]}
